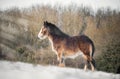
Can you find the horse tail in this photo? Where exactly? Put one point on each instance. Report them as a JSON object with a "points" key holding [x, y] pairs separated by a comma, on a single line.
{"points": [[92, 47]]}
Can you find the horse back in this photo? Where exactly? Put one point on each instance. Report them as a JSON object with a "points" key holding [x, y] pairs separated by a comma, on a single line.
{"points": [[79, 43]]}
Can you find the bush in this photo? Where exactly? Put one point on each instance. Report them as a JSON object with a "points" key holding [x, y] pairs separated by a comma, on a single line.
{"points": [[25, 54], [109, 60]]}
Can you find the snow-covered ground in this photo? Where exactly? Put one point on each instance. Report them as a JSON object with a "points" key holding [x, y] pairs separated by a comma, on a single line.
{"points": [[19, 70]]}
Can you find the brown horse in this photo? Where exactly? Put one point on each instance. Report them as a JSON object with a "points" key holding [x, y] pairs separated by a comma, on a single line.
{"points": [[66, 46]]}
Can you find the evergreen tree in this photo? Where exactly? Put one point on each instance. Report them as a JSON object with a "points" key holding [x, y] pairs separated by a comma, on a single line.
{"points": [[109, 61]]}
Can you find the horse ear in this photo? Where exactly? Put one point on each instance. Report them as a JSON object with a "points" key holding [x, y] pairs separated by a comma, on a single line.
{"points": [[45, 23]]}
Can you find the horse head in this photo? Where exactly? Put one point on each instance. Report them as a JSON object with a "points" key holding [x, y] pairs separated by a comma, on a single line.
{"points": [[44, 31]]}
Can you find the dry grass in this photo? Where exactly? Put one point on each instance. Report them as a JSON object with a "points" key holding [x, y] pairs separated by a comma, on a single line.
{"points": [[20, 28]]}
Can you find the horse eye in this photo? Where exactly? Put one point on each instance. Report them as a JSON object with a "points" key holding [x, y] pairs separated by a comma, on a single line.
{"points": [[44, 32]]}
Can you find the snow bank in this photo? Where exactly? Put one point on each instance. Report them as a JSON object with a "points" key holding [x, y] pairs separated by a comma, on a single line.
{"points": [[18, 70]]}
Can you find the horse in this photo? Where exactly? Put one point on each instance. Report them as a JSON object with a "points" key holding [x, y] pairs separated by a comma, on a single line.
{"points": [[66, 46]]}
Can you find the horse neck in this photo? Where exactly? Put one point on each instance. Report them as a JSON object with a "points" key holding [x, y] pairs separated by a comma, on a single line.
{"points": [[52, 37]]}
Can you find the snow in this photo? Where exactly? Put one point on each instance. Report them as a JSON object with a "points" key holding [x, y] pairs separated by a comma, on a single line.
{"points": [[19, 70]]}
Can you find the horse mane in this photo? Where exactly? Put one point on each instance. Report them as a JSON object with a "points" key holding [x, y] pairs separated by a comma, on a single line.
{"points": [[55, 30]]}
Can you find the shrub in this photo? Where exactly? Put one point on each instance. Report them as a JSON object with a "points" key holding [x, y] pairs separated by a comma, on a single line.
{"points": [[25, 54], [109, 60]]}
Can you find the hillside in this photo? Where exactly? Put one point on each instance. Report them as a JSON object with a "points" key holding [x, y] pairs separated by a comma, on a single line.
{"points": [[19, 70], [19, 29]]}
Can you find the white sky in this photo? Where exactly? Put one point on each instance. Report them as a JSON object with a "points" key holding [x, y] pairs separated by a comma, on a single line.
{"points": [[95, 4]]}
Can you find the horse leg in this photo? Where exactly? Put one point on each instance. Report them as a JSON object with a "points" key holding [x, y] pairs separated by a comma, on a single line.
{"points": [[92, 63], [86, 65], [61, 60], [86, 62]]}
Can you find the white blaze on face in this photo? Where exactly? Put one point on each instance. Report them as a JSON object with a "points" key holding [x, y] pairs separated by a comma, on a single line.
{"points": [[42, 33]]}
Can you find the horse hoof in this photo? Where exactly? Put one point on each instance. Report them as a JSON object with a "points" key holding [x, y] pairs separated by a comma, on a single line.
{"points": [[61, 65]]}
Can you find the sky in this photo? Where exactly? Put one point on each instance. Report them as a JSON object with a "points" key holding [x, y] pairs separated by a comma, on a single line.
{"points": [[95, 4]]}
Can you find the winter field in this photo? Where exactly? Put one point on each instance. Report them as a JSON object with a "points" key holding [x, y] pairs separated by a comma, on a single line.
{"points": [[19, 70], [21, 21]]}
